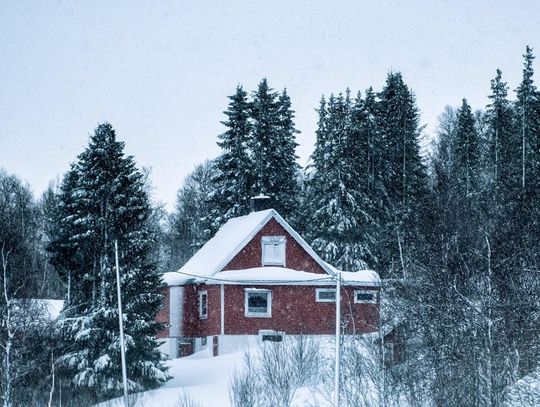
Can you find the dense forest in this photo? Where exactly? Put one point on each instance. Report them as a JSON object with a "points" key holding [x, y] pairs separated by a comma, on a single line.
{"points": [[452, 228]]}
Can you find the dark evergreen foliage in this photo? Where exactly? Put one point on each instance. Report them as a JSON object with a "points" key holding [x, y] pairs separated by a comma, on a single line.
{"points": [[401, 180], [235, 173], [465, 170], [339, 223], [258, 157], [273, 146], [103, 199], [286, 166], [186, 227]]}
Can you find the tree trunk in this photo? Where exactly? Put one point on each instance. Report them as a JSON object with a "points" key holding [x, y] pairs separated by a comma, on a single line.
{"points": [[10, 334]]}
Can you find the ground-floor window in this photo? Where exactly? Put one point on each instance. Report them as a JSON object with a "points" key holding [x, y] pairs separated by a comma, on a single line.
{"points": [[365, 297], [203, 304], [325, 295], [257, 303]]}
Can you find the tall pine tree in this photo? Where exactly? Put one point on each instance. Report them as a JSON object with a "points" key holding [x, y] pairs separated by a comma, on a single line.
{"points": [[288, 169], [104, 199], [234, 167], [273, 145], [503, 146], [401, 184], [526, 104], [338, 206], [466, 152]]}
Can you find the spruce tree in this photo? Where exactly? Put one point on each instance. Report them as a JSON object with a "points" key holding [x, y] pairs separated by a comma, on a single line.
{"points": [[503, 146], [339, 218], [524, 285], [259, 157], [103, 200], [466, 152], [401, 184], [264, 136], [273, 148], [527, 101], [234, 167], [288, 169], [370, 130]]}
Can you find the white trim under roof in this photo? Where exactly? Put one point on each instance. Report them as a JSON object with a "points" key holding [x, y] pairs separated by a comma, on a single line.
{"points": [[274, 275]]}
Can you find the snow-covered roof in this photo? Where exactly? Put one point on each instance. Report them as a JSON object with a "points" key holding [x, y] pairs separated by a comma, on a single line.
{"points": [[173, 278], [46, 307], [53, 307], [233, 237], [360, 276], [228, 242], [271, 275], [525, 392]]}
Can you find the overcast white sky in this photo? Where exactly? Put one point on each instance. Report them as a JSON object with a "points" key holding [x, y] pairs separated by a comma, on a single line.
{"points": [[161, 71]]}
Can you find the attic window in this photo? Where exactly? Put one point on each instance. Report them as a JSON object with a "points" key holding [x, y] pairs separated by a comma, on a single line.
{"points": [[273, 250], [365, 297]]}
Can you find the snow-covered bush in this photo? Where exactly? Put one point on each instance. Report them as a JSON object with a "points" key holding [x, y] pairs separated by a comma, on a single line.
{"points": [[185, 400], [273, 375]]}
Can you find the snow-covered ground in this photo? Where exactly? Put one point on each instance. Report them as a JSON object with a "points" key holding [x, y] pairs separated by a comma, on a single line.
{"points": [[205, 380]]}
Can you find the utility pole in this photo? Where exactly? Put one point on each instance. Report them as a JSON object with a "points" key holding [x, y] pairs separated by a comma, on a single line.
{"points": [[121, 324], [338, 338]]}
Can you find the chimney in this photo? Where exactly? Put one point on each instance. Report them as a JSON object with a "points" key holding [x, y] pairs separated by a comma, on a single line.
{"points": [[259, 203]]}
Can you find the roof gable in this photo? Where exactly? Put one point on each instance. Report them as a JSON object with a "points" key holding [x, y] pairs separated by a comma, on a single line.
{"points": [[251, 255], [231, 239]]}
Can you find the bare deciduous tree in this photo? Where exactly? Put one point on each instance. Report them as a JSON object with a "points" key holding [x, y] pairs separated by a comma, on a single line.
{"points": [[280, 368]]}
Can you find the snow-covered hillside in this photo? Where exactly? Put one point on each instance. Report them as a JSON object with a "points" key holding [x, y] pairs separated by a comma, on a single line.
{"points": [[204, 380]]}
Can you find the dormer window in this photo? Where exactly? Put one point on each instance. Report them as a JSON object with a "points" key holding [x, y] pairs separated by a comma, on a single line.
{"points": [[273, 250]]}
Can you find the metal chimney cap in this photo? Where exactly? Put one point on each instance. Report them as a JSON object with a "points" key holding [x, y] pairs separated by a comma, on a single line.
{"points": [[259, 203]]}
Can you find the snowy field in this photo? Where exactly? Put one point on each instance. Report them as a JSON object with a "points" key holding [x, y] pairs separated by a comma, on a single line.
{"points": [[202, 377], [205, 380]]}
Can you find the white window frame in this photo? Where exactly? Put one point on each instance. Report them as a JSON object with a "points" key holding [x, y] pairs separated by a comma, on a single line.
{"points": [[374, 293], [273, 240], [268, 312], [318, 291], [201, 314]]}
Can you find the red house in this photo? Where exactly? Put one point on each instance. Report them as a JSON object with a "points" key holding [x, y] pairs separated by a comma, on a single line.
{"points": [[257, 278]]}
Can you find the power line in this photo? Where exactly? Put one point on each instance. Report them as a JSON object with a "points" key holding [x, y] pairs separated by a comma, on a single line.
{"points": [[330, 279]]}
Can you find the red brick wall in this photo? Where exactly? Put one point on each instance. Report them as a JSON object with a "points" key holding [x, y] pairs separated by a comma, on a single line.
{"points": [[295, 311], [193, 325], [163, 314], [296, 257]]}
